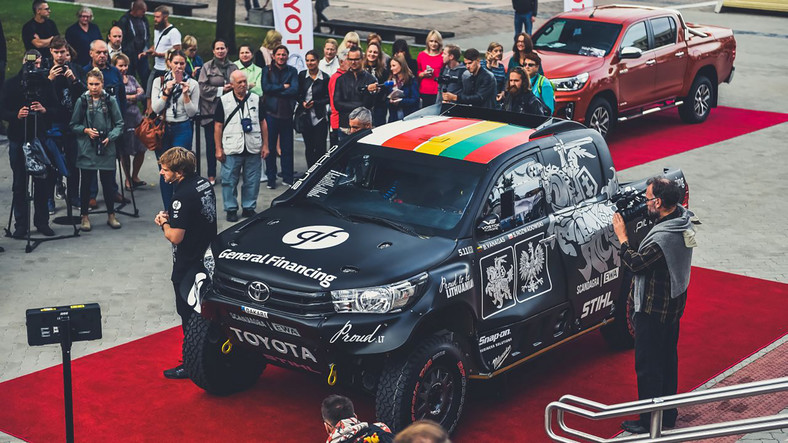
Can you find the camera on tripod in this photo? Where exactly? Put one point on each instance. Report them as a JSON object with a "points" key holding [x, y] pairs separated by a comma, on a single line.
{"points": [[33, 79], [631, 204]]}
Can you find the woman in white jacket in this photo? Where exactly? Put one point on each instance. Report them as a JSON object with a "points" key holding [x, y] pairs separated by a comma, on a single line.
{"points": [[177, 96]]}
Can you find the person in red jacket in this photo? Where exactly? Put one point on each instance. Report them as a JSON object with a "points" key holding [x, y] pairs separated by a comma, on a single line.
{"points": [[332, 84]]}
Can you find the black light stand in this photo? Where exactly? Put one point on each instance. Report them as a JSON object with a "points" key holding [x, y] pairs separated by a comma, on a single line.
{"points": [[32, 242], [197, 127], [64, 325]]}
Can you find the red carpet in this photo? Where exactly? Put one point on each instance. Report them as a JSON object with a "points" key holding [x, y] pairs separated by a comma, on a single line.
{"points": [[120, 394], [663, 134]]}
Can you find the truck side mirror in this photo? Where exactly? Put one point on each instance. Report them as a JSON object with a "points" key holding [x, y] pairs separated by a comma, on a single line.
{"points": [[490, 224], [630, 52]]}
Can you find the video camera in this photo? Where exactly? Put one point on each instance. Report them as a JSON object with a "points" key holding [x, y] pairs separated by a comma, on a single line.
{"points": [[444, 80], [631, 204], [33, 79]]}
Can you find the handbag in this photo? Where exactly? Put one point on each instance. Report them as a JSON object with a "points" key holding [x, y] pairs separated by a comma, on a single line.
{"points": [[300, 120], [150, 131], [37, 162]]}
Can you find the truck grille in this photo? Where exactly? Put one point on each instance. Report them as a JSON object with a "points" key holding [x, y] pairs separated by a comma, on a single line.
{"points": [[305, 304]]}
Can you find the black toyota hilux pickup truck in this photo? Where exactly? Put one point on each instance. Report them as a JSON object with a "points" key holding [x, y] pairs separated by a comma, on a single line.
{"points": [[419, 255]]}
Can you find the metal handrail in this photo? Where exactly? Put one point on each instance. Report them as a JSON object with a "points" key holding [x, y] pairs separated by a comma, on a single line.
{"points": [[597, 411]]}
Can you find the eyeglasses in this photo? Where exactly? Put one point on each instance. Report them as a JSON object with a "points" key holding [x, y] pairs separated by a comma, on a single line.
{"points": [[651, 199], [530, 65], [44, 9]]}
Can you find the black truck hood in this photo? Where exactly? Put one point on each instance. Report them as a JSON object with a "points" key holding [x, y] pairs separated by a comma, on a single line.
{"points": [[308, 249]]}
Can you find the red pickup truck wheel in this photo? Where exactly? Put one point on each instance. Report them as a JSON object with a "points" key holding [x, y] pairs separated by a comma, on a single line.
{"points": [[600, 116], [697, 105]]}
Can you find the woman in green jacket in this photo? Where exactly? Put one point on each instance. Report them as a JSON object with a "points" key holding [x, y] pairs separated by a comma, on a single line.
{"points": [[97, 123]]}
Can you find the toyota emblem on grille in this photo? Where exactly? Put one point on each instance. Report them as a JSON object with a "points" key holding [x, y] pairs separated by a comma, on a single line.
{"points": [[258, 291]]}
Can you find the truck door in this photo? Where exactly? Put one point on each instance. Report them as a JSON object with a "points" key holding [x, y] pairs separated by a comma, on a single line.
{"points": [[636, 77], [581, 219], [670, 52], [520, 275]]}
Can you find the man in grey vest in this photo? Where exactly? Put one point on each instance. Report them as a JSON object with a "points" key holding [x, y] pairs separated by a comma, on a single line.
{"points": [[241, 137], [661, 268]]}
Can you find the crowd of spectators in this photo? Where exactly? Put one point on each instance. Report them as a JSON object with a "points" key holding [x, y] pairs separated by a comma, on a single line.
{"points": [[149, 68]]}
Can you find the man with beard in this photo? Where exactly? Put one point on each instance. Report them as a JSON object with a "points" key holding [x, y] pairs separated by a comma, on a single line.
{"points": [[165, 37], [519, 97], [115, 42], [658, 294], [136, 38]]}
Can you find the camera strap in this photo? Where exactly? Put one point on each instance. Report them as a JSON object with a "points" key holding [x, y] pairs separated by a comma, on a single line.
{"points": [[232, 114], [165, 32]]}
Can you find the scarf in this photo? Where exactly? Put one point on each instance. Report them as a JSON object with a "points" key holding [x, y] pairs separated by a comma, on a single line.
{"points": [[177, 91], [676, 238], [246, 64]]}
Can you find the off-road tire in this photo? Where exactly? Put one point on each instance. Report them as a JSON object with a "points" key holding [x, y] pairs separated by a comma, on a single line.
{"points": [[600, 116], [430, 382], [620, 334], [209, 368], [697, 105]]}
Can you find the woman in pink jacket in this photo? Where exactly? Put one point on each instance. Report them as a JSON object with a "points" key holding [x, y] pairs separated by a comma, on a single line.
{"points": [[430, 62]]}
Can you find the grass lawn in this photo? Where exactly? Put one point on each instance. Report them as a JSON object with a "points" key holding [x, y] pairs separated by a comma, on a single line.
{"points": [[17, 13]]}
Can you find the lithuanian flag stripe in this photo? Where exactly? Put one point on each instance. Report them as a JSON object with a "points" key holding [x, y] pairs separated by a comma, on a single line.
{"points": [[412, 139], [440, 143]]}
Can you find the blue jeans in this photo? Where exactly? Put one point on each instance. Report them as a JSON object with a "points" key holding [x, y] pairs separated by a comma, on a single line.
{"points": [[234, 165], [176, 134], [523, 19], [281, 128], [210, 149]]}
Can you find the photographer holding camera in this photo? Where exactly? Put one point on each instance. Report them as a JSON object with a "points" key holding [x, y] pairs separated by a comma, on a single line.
{"points": [[97, 122], [66, 79], [26, 98], [658, 293]]}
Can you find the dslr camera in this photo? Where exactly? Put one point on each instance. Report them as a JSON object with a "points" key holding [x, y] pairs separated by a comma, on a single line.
{"points": [[445, 80], [99, 145], [631, 204]]}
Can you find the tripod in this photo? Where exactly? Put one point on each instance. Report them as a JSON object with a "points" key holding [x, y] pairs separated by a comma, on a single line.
{"points": [[33, 242]]}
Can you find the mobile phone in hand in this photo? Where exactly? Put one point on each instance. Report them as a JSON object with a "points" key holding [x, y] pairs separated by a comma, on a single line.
{"points": [[178, 76]]}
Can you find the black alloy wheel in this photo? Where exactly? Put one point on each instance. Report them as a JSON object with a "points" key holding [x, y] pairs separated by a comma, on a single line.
{"points": [[697, 105], [599, 116]]}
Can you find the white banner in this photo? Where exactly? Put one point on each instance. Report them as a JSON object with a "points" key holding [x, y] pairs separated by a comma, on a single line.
{"points": [[293, 18], [574, 5]]}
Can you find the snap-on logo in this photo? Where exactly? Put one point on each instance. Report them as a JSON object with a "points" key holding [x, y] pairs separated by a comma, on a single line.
{"points": [[315, 237]]}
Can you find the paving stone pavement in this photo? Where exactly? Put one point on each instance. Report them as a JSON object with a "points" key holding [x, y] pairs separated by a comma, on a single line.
{"points": [[127, 271]]}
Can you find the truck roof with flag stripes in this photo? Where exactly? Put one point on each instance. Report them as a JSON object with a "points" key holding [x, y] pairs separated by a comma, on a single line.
{"points": [[454, 245]]}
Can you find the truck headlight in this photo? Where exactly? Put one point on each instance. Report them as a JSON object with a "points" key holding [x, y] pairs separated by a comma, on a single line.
{"points": [[570, 83], [378, 299], [208, 262]]}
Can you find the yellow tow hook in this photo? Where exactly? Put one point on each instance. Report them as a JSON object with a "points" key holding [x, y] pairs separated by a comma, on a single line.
{"points": [[332, 374], [227, 347]]}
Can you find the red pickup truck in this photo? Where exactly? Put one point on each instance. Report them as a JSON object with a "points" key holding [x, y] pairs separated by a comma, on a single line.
{"points": [[615, 63]]}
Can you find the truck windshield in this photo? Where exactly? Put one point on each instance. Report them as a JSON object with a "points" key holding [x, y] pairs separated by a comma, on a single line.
{"points": [[425, 193], [581, 37]]}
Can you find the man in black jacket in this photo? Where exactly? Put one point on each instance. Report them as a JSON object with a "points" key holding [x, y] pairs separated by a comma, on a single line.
{"points": [[479, 88], [519, 97], [524, 15], [25, 109], [355, 88], [66, 77]]}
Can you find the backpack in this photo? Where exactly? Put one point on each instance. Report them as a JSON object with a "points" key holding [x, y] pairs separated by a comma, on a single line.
{"points": [[541, 82], [374, 434]]}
